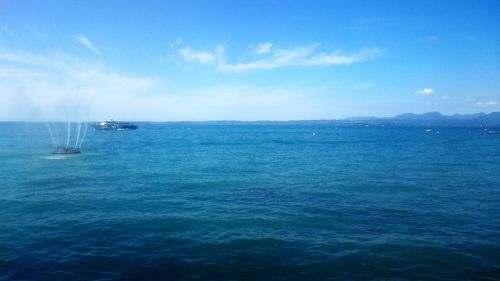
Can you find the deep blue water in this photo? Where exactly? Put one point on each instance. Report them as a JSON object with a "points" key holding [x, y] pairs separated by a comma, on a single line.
{"points": [[195, 201]]}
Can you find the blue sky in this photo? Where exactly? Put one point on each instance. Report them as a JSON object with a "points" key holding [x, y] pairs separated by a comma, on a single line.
{"points": [[246, 60]]}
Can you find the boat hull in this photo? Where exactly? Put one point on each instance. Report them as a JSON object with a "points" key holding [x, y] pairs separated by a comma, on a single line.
{"points": [[114, 128], [112, 125]]}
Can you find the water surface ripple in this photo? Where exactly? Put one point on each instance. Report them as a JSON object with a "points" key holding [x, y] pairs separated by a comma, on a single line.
{"points": [[195, 201]]}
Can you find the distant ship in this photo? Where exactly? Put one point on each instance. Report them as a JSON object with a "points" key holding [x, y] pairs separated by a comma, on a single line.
{"points": [[66, 150], [112, 125]]}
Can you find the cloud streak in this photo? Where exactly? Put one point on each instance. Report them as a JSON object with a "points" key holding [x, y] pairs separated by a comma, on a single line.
{"points": [[300, 56], [21, 58], [202, 57], [86, 42], [263, 48], [424, 92], [270, 57], [486, 103], [60, 87]]}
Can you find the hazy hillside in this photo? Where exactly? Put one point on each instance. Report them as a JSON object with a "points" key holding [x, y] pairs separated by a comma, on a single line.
{"points": [[431, 119]]}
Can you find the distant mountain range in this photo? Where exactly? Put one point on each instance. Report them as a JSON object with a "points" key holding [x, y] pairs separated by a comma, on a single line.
{"points": [[430, 119], [491, 120]]}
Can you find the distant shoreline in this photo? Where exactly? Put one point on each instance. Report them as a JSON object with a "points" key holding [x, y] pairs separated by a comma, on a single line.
{"points": [[406, 119]]}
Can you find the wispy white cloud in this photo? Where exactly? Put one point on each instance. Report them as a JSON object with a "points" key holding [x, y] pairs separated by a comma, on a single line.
{"points": [[202, 57], [263, 48], [62, 87], [336, 58], [271, 58], [486, 103], [21, 57], [55, 86], [278, 58], [425, 92], [87, 43]]}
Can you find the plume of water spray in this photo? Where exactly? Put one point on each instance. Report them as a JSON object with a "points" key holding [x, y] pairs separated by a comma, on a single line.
{"points": [[84, 134], [52, 138], [69, 134], [78, 133], [56, 131]]}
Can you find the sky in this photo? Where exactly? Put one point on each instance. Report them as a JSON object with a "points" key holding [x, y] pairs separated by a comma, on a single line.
{"points": [[247, 59]]}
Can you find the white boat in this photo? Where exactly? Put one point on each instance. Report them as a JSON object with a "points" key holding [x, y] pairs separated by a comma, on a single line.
{"points": [[112, 125]]}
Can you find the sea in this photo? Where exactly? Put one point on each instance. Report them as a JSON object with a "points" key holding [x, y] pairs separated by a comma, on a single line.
{"points": [[251, 201]]}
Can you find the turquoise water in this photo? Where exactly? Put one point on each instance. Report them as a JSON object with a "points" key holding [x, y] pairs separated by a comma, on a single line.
{"points": [[232, 201]]}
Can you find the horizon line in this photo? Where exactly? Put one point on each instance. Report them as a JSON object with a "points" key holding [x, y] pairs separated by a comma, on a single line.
{"points": [[256, 120]]}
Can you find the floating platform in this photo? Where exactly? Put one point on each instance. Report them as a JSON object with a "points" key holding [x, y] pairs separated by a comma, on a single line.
{"points": [[66, 150]]}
